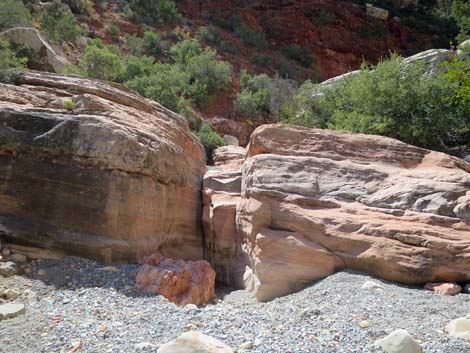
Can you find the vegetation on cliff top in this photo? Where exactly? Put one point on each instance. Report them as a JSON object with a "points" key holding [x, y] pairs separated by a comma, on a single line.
{"points": [[186, 70]]}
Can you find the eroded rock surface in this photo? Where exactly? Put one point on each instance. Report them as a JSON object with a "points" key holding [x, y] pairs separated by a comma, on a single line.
{"points": [[116, 177], [316, 201], [182, 282]]}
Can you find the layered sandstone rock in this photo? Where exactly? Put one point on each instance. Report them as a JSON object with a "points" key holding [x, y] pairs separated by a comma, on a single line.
{"points": [[116, 178], [316, 201], [182, 282], [221, 193]]}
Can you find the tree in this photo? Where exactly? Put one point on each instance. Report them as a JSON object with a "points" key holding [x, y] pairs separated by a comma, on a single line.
{"points": [[102, 62], [156, 12]]}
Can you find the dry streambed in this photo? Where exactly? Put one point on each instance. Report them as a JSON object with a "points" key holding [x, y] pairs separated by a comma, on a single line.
{"points": [[78, 305]]}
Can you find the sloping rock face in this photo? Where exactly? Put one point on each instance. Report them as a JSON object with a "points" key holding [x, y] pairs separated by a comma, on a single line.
{"points": [[182, 282], [45, 57], [313, 202], [117, 177]]}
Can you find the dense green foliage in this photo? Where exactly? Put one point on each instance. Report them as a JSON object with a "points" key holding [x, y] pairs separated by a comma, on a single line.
{"points": [[301, 55], [210, 140], [59, 24], [395, 100], [156, 12], [10, 64], [263, 97], [101, 61], [13, 13], [251, 37], [460, 10]]}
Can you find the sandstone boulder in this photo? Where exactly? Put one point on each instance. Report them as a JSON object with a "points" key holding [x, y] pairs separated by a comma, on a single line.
{"points": [[221, 193], [312, 202], [355, 201], [45, 57], [444, 288], [194, 342], [182, 282], [116, 177]]}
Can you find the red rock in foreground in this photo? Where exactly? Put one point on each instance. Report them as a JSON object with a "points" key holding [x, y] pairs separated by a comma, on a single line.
{"points": [[182, 282], [444, 288]]}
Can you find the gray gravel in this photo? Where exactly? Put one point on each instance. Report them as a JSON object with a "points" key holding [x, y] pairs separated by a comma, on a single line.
{"points": [[73, 302]]}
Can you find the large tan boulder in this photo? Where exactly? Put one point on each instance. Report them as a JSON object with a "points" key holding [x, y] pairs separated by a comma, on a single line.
{"points": [[313, 202], [348, 200], [115, 176], [182, 282]]}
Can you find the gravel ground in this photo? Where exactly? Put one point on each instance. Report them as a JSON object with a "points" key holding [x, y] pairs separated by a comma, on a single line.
{"points": [[71, 301]]}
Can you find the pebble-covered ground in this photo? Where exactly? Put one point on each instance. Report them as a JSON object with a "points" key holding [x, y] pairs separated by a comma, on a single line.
{"points": [[73, 306]]}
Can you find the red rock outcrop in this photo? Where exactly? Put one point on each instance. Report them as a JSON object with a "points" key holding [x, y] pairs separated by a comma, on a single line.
{"points": [[115, 176], [316, 201], [182, 282]]}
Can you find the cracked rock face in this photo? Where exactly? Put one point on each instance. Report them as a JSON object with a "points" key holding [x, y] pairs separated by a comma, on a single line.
{"points": [[316, 201], [115, 177]]}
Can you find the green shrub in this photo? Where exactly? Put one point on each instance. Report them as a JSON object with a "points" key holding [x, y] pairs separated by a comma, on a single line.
{"points": [[458, 75], [82, 7], [304, 111], [165, 84], [10, 65], [156, 12], [113, 30], [398, 101], [301, 55], [134, 44], [183, 51], [460, 10], [263, 97], [154, 44], [136, 67], [251, 37], [210, 140], [208, 73], [59, 24], [374, 30], [229, 47], [69, 104], [262, 60], [101, 62], [13, 13], [209, 35]]}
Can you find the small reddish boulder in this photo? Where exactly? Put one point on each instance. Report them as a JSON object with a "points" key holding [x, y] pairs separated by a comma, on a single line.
{"points": [[182, 282], [444, 288]]}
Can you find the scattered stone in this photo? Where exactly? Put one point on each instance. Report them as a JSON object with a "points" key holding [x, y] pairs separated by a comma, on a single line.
{"points": [[182, 282], [18, 258], [27, 270], [109, 269], [443, 288], [466, 289], [195, 342], [10, 294], [8, 269], [6, 252], [247, 345], [369, 285], [41, 273], [377, 12], [10, 310], [191, 307], [364, 324], [399, 341], [459, 328], [144, 345]]}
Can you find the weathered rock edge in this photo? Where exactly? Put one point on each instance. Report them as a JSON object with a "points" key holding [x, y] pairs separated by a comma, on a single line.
{"points": [[307, 202], [115, 177]]}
